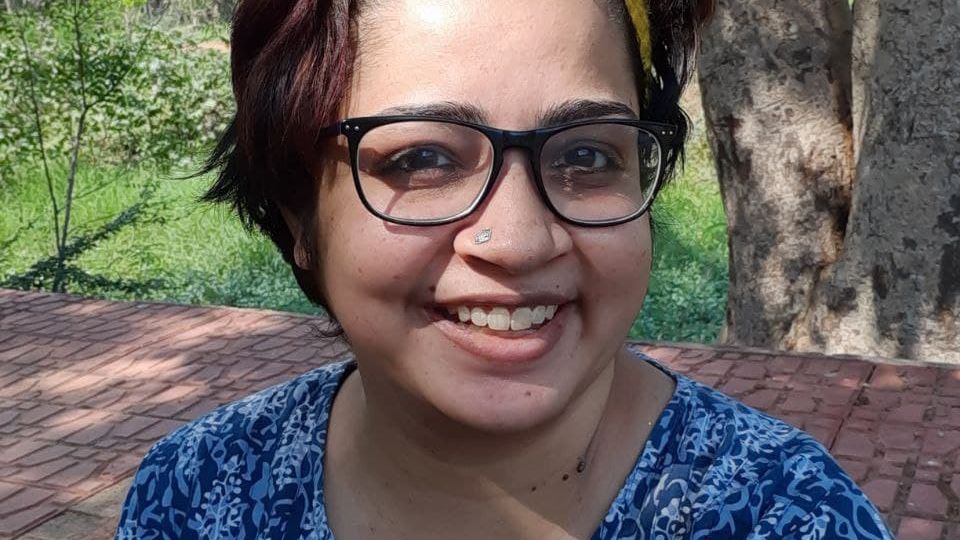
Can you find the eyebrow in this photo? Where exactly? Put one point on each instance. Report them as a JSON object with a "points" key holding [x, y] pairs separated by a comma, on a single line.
{"points": [[584, 109], [561, 113], [446, 110]]}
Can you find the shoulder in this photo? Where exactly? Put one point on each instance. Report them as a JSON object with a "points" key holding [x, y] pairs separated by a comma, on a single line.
{"points": [[717, 425], [715, 468], [759, 473], [229, 453], [708, 430], [255, 419]]}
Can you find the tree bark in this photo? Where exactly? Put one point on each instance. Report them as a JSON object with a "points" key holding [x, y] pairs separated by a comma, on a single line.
{"points": [[795, 112], [895, 291], [775, 81]]}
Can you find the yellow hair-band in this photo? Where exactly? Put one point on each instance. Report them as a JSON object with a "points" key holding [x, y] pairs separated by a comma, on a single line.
{"points": [[641, 22]]}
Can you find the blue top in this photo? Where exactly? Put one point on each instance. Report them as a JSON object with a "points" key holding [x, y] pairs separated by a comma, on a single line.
{"points": [[712, 468]]}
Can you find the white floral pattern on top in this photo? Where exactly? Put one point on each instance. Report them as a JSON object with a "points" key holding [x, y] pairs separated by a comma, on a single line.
{"points": [[712, 468]]}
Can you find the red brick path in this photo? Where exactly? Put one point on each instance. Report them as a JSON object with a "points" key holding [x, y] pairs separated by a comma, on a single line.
{"points": [[86, 386]]}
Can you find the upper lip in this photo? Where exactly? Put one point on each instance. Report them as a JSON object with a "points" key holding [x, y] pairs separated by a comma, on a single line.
{"points": [[506, 299]]}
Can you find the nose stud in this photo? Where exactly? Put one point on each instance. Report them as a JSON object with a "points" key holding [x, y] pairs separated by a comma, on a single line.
{"points": [[483, 236]]}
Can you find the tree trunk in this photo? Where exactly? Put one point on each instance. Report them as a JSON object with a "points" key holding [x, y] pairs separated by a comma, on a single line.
{"points": [[896, 288], [775, 81], [818, 262]]}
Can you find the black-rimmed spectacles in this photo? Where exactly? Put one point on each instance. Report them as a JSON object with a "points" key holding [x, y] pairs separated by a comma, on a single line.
{"points": [[421, 171]]}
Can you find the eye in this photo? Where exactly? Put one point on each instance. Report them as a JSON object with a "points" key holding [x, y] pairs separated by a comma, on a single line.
{"points": [[417, 159], [585, 157]]}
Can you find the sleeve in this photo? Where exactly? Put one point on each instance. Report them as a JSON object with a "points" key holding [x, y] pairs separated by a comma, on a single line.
{"points": [[161, 493], [214, 477]]}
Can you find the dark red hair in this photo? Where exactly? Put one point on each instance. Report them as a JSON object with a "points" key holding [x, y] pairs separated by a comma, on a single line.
{"points": [[291, 62]]}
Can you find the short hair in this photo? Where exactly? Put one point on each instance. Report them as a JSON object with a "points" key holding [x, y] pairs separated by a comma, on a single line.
{"points": [[291, 62]]}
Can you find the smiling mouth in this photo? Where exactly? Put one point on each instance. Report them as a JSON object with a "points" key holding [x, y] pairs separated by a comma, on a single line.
{"points": [[500, 319]]}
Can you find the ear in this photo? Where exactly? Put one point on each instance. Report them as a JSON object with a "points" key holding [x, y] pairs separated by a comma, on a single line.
{"points": [[301, 252]]}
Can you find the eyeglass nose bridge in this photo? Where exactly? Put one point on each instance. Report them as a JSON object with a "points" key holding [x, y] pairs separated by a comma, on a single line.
{"points": [[532, 142], [528, 140]]}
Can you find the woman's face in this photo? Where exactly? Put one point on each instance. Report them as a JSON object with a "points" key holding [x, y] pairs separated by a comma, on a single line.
{"points": [[393, 286]]}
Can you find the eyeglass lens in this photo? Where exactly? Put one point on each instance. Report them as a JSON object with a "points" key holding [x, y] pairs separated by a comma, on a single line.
{"points": [[431, 170]]}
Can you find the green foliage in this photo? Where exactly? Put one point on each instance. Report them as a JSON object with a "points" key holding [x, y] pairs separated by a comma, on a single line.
{"points": [[176, 250], [688, 285], [44, 273], [93, 82], [197, 13], [161, 100]]}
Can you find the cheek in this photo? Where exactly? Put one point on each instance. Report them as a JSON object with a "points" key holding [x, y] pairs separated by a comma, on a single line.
{"points": [[618, 262], [368, 260], [622, 252]]}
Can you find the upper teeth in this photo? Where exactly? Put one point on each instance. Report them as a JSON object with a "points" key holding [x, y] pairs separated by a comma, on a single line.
{"points": [[499, 318]]}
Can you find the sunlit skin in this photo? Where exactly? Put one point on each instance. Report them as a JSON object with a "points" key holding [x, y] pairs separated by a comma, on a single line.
{"points": [[429, 437]]}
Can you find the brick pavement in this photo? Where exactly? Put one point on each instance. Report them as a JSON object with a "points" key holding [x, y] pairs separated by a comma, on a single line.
{"points": [[86, 386]]}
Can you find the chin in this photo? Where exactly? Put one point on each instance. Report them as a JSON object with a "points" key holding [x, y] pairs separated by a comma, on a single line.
{"points": [[498, 406]]}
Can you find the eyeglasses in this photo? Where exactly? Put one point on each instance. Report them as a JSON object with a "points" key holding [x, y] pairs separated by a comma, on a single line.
{"points": [[422, 171]]}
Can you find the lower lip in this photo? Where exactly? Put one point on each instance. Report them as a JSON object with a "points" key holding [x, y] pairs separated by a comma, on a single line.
{"points": [[506, 347]]}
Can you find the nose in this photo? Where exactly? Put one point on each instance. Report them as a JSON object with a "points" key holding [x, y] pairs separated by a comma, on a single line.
{"points": [[524, 233]]}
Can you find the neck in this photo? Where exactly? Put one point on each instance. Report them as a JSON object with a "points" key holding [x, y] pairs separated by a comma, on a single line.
{"points": [[430, 453]]}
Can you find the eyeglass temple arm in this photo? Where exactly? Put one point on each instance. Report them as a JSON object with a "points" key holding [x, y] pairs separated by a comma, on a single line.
{"points": [[331, 131], [666, 132]]}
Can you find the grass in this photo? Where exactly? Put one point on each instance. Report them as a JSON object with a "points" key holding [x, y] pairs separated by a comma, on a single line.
{"points": [[199, 252], [687, 297], [201, 255]]}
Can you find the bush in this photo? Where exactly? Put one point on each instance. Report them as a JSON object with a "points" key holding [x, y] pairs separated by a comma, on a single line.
{"points": [[161, 99]]}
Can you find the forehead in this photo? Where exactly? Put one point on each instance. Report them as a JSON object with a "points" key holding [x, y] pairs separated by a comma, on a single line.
{"points": [[512, 59]]}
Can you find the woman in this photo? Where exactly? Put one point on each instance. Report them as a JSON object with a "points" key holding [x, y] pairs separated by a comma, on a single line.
{"points": [[465, 186]]}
